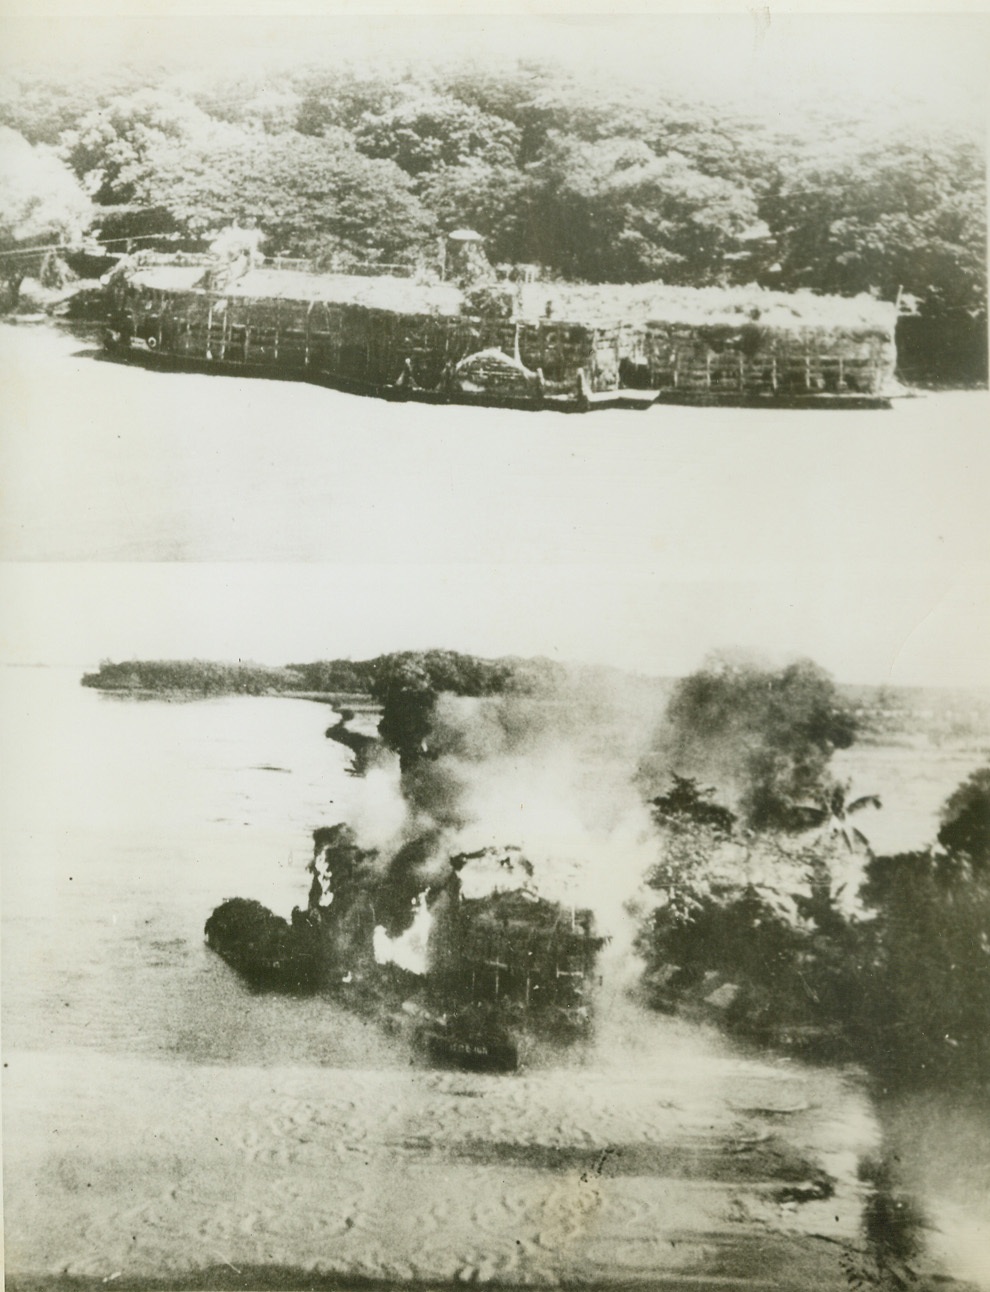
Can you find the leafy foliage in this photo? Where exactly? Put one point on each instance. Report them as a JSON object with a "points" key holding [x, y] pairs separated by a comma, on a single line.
{"points": [[42, 107], [614, 211], [113, 149], [489, 197], [338, 98], [340, 675], [604, 185], [904, 980], [409, 685], [832, 812], [304, 193], [427, 132], [965, 826], [929, 966], [204, 677], [903, 213], [39, 197], [684, 802]]}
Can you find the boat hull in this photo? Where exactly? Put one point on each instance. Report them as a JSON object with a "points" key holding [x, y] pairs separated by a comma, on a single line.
{"points": [[136, 351], [813, 399], [469, 1049]]}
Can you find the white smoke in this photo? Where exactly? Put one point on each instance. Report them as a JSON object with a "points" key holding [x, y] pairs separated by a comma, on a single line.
{"points": [[410, 949], [375, 808], [517, 778], [556, 780]]}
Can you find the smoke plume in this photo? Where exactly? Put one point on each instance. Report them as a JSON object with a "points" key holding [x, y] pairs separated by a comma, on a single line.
{"points": [[547, 778]]}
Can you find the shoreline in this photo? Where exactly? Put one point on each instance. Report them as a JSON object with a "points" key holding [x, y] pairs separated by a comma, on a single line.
{"points": [[177, 695]]}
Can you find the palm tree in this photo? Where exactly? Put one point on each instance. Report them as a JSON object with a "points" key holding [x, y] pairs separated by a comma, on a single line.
{"points": [[830, 814]]}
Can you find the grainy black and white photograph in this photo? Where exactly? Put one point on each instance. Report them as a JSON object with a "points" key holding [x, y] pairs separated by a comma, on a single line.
{"points": [[494, 673]]}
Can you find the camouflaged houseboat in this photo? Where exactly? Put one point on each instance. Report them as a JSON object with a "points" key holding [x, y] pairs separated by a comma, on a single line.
{"points": [[510, 344]]}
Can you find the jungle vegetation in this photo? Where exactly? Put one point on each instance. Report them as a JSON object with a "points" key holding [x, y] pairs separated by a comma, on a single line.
{"points": [[774, 913], [371, 166]]}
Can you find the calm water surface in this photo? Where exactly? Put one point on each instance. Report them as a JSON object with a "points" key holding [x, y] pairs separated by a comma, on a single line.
{"points": [[115, 462], [126, 823]]}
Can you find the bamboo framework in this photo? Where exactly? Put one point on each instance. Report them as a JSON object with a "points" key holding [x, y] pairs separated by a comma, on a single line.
{"points": [[305, 326]]}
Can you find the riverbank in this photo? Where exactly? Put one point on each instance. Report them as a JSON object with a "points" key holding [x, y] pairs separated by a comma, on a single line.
{"points": [[940, 722], [191, 695]]}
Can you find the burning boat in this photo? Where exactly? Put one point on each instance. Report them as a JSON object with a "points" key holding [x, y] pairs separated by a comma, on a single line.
{"points": [[516, 953], [504, 966], [462, 335], [475, 963]]}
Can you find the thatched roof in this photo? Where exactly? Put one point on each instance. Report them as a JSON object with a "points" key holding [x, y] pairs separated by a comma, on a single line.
{"points": [[640, 303], [598, 305], [401, 295]]}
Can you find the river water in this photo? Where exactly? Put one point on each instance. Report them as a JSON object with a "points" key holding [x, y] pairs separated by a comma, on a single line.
{"points": [[160, 1120], [118, 463]]}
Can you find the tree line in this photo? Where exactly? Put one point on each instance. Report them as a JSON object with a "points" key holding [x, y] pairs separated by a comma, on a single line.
{"points": [[345, 164], [388, 678]]}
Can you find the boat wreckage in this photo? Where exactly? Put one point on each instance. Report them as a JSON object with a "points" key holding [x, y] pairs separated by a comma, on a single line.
{"points": [[467, 336], [467, 965]]}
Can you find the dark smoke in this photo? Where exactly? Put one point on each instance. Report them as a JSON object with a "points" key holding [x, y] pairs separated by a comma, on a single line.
{"points": [[763, 737], [475, 755]]}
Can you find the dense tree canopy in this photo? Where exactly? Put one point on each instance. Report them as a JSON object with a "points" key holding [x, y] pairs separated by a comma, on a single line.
{"points": [[905, 213], [614, 211], [40, 199], [965, 829], [929, 943], [900, 977], [433, 131], [303, 193], [43, 108], [609, 184], [113, 148]]}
